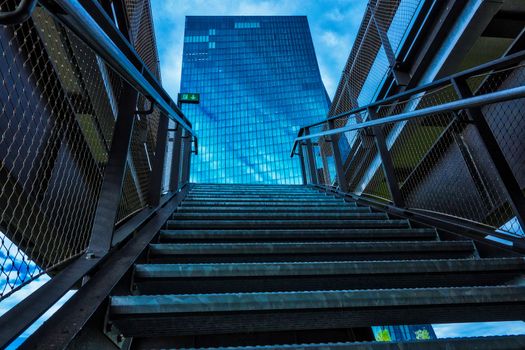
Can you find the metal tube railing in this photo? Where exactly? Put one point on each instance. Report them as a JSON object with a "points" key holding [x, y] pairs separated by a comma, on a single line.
{"points": [[476, 101], [80, 21], [500, 63]]}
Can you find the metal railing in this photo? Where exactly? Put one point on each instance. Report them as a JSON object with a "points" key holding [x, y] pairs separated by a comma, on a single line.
{"points": [[84, 131], [451, 150]]}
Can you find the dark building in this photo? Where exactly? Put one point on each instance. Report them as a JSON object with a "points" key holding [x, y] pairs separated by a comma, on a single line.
{"points": [[258, 81]]}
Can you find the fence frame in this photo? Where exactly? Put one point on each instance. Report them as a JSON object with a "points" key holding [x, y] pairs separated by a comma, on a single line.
{"points": [[108, 242], [471, 105]]}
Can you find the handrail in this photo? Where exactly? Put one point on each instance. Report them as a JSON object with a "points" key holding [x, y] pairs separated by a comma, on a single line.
{"points": [[78, 19], [476, 101], [19, 14], [503, 62]]}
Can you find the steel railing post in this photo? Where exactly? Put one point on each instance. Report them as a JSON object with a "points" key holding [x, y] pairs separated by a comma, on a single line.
{"points": [[496, 155], [186, 157], [175, 159], [311, 158], [155, 181], [386, 161], [111, 189], [303, 168], [341, 179]]}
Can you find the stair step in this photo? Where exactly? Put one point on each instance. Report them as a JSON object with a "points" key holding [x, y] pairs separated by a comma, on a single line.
{"points": [[328, 268], [243, 185], [193, 314], [278, 216], [403, 234], [248, 191], [337, 204], [301, 251], [508, 342], [297, 201], [295, 224], [305, 195], [293, 276], [283, 209]]}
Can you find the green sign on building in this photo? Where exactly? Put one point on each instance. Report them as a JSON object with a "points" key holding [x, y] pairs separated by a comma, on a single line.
{"points": [[189, 98]]}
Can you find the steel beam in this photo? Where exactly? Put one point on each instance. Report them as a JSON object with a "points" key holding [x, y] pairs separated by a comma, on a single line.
{"points": [[386, 162], [311, 158], [341, 178], [23, 314], [175, 159], [303, 168], [109, 198], [186, 157], [155, 184]]}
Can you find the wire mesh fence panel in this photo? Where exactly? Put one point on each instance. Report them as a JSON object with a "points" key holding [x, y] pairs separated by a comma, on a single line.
{"points": [[441, 162], [59, 104], [377, 43], [141, 33], [506, 118], [135, 195]]}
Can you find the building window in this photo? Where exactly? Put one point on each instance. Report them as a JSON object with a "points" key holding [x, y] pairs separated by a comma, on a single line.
{"points": [[244, 25]]}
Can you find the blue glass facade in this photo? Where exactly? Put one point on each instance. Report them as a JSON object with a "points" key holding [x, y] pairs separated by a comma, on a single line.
{"points": [[259, 81]]}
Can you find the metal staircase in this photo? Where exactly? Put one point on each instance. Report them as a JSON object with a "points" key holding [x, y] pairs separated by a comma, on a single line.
{"points": [[267, 265]]}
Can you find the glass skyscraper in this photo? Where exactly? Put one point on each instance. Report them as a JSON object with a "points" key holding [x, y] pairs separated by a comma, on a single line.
{"points": [[259, 81]]}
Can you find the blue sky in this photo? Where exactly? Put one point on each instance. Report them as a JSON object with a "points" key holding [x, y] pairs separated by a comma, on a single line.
{"points": [[333, 24]]}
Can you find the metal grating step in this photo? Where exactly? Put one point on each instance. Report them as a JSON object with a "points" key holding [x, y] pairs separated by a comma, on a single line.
{"points": [[279, 216], [282, 209], [368, 234], [287, 276], [193, 314], [295, 224], [334, 204], [511, 342], [291, 199], [309, 251]]}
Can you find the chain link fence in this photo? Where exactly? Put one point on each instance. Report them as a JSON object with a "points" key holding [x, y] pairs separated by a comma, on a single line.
{"points": [[59, 106]]}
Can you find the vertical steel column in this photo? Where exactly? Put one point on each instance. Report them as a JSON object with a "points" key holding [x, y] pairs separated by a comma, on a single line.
{"points": [[386, 161], [111, 189], [496, 155], [175, 159], [186, 139], [341, 179], [301, 159], [311, 158], [155, 180]]}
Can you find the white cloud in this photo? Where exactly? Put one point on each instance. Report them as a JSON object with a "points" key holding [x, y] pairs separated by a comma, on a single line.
{"points": [[329, 38]]}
